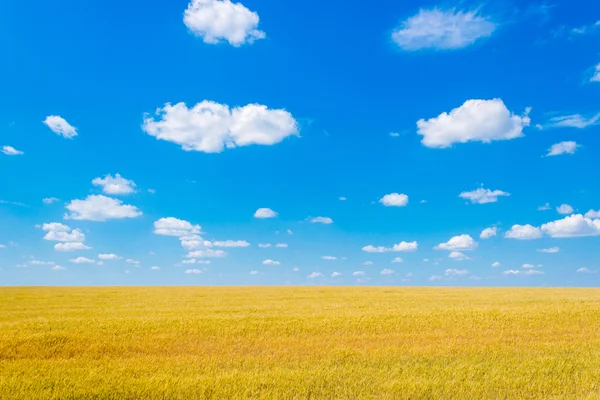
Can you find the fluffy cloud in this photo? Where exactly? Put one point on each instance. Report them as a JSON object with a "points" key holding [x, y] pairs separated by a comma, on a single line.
{"points": [[458, 243], [231, 243], [358, 273], [474, 121], [527, 272], [593, 214], [488, 233], [456, 272], [115, 185], [368, 263], [457, 255], [387, 272], [564, 209], [335, 274], [572, 226], [49, 200], [132, 262], [321, 220], [394, 200], [207, 254], [109, 257], [271, 262], [545, 207], [585, 270], [550, 250], [562, 148], [314, 275], [171, 226], [60, 126], [100, 208], [221, 20], [75, 236], [483, 196], [263, 213], [571, 121], [11, 151], [70, 246], [193, 272], [82, 260], [442, 30], [194, 242], [397, 260], [58, 268], [434, 278], [496, 264], [329, 258], [523, 232], [400, 247], [154, 268], [209, 127], [596, 76]]}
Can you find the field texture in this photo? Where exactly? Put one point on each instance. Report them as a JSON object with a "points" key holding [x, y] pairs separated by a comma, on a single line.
{"points": [[299, 343]]}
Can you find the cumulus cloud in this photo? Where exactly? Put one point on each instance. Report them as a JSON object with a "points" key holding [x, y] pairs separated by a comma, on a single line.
{"points": [[329, 258], [456, 272], [394, 200], [585, 270], [550, 250], [496, 264], [314, 275], [523, 232], [70, 246], [115, 185], [211, 127], [100, 208], [387, 272], [11, 151], [60, 126], [193, 271], [397, 260], [271, 262], [231, 243], [109, 257], [483, 196], [368, 263], [434, 278], [358, 273], [488, 233], [82, 260], [399, 247], [575, 225], [49, 200], [442, 30], [263, 213], [564, 209], [60, 233], [321, 220], [458, 243], [593, 214], [562, 148], [457, 255], [528, 266], [58, 268], [132, 262], [208, 253], [527, 272], [216, 21], [336, 274], [475, 121], [571, 121], [171, 226]]}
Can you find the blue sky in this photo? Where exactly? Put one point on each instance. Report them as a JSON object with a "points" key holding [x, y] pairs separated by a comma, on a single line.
{"points": [[156, 131]]}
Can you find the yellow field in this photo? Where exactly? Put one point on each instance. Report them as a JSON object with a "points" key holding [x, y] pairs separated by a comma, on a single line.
{"points": [[299, 343]]}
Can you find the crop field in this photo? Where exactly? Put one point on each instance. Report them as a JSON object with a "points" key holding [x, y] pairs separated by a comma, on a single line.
{"points": [[299, 343]]}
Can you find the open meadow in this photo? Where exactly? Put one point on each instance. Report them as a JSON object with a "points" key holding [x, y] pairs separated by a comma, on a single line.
{"points": [[299, 343]]}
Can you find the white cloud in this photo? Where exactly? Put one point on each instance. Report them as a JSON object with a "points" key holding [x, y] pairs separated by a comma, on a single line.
{"points": [[211, 127], [281, 245], [60, 126], [194, 242], [457, 255], [193, 271], [314, 275], [49, 200], [585, 270], [456, 272], [483, 196], [458, 243], [397, 260], [488, 233], [60, 233], [387, 272], [571, 121], [545, 207], [109, 257], [434, 278], [115, 185], [496, 264], [358, 273], [264, 245], [208, 253], [564, 209], [321, 220], [400, 247], [562, 148], [336, 274], [253, 272], [231, 243], [592, 214], [263, 213], [271, 262], [527, 272], [474, 121], [82, 260], [329, 258], [100, 208], [575, 225], [58, 268], [343, 198], [368, 263], [154, 268], [442, 30], [289, 232], [550, 250], [70, 246], [11, 151], [394, 200], [216, 21], [132, 262], [596, 76], [171, 226], [523, 232]]}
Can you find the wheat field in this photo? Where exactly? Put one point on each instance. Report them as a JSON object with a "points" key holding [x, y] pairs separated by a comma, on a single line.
{"points": [[299, 343]]}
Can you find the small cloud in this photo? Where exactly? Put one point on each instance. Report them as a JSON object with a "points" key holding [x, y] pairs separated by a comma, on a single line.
{"points": [[458, 243], [281, 245], [387, 272], [397, 260], [528, 266], [60, 126], [564, 209], [550, 250], [50, 200], [82, 260], [358, 273], [109, 257], [263, 213], [562, 148], [592, 214], [321, 220], [394, 134], [545, 207], [271, 262], [151, 191], [289, 232], [253, 272], [394, 200], [11, 151], [527, 272], [132, 262], [483, 196], [314, 275], [343, 198], [336, 274], [523, 232], [295, 269], [264, 245], [154, 268], [488, 233], [457, 255], [368, 263], [58, 268], [209, 253], [329, 258], [115, 185], [456, 272], [231, 243], [193, 272], [71, 246], [434, 278], [496, 264], [586, 271]]}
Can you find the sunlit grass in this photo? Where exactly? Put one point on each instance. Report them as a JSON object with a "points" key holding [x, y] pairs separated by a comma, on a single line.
{"points": [[298, 343]]}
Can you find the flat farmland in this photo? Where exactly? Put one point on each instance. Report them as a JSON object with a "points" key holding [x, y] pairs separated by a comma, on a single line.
{"points": [[299, 343]]}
